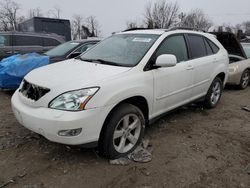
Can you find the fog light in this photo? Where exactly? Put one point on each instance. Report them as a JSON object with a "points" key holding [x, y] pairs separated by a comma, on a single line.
{"points": [[71, 132]]}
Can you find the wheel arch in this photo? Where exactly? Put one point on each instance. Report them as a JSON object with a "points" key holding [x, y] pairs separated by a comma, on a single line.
{"points": [[222, 76], [138, 101]]}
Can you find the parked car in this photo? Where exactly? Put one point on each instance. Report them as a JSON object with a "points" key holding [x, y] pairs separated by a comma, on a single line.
{"points": [[12, 43], [246, 47], [70, 49], [14, 68], [239, 71], [239, 67], [110, 93]]}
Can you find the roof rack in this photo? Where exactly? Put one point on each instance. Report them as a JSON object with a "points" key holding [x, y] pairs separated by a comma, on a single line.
{"points": [[186, 28], [170, 29], [135, 28]]}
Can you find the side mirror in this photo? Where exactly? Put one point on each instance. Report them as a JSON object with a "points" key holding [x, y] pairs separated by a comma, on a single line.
{"points": [[166, 60]]}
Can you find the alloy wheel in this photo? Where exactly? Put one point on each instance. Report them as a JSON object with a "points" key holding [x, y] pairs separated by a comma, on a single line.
{"points": [[245, 79], [127, 133], [216, 93]]}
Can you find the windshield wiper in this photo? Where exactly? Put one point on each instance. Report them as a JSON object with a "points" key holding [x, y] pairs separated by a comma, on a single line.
{"points": [[101, 61], [82, 59]]}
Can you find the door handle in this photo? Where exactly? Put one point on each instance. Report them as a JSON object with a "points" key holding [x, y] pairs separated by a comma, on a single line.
{"points": [[190, 67]]}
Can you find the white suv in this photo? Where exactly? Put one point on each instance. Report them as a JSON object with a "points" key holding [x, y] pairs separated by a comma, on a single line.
{"points": [[107, 95]]}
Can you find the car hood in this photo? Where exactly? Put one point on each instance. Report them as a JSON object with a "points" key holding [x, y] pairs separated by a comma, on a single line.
{"points": [[72, 74]]}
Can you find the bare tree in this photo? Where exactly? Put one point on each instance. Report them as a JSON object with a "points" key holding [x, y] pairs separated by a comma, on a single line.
{"points": [[196, 19], [9, 15], [134, 24], [76, 26], [36, 12], [246, 27], [55, 12], [92, 24], [161, 14]]}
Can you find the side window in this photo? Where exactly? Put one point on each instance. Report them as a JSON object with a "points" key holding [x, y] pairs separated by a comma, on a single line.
{"points": [[21, 40], [208, 47], [214, 47], [4, 40], [50, 42], [84, 48], [197, 46], [174, 45]]}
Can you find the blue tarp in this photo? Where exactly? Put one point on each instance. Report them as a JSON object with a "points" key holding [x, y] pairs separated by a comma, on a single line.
{"points": [[14, 68]]}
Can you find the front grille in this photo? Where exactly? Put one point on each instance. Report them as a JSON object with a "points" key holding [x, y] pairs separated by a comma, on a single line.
{"points": [[33, 91]]}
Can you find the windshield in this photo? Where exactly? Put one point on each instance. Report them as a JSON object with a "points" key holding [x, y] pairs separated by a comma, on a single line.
{"points": [[247, 50], [121, 49], [62, 49]]}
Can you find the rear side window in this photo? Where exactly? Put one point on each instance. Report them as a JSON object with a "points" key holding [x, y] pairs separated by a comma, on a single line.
{"points": [[208, 47], [214, 47], [197, 46], [175, 45], [21, 40], [4, 40], [50, 42]]}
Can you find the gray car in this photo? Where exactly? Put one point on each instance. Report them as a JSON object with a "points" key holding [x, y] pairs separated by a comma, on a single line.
{"points": [[70, 49], [12, 43]]}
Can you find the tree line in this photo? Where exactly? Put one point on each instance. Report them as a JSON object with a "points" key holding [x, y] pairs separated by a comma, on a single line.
{"points": [[10, 17], [160, 14], [163, 14]]}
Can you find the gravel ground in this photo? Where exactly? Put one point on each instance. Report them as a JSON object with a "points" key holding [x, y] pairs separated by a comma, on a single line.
{"points": [[193, 148]]}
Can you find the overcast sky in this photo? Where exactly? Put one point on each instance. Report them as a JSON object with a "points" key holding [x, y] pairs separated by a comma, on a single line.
{"points": [[113, 14]]}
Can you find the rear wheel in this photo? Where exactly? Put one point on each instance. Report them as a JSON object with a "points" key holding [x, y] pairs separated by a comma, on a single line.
{"points": [[214, 93], [245, 78], [123, 132]]}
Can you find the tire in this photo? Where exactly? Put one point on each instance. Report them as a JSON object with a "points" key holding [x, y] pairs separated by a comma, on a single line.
{"points": [[244, 81], [214, 94], [122, 124]]}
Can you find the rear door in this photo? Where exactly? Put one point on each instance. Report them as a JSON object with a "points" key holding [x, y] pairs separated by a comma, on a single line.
{"points": [[203, 63], [172, 85], [27, 44]]}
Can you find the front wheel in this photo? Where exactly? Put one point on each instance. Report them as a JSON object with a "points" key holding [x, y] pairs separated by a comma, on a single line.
{"points": [[214, 93], [123, 132], [245, 78]]}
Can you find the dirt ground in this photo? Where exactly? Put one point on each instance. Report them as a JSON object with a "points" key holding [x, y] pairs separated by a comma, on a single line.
{"points": [[193, 148]]}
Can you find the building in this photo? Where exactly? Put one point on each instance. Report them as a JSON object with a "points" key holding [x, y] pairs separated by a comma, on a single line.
{"points": [[47, 25]]}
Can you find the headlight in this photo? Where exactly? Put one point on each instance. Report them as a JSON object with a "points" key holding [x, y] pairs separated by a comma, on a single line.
{"points": [[73, 100]]}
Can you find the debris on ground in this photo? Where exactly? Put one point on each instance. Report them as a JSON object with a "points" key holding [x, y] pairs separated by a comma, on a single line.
{"points": [[121, 161], [246, 108], [7, 183], [142, 154], [144, 171], [212, 157]]}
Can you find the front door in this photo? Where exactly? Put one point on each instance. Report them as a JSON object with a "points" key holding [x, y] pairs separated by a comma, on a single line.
{"points": [[172, 85]]}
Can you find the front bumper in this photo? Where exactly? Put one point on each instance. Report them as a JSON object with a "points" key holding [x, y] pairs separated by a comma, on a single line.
{"points": [[48, 122]]}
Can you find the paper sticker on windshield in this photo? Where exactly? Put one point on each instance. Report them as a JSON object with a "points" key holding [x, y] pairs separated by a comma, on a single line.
{"points": [[74, 43], [142, 40]]}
